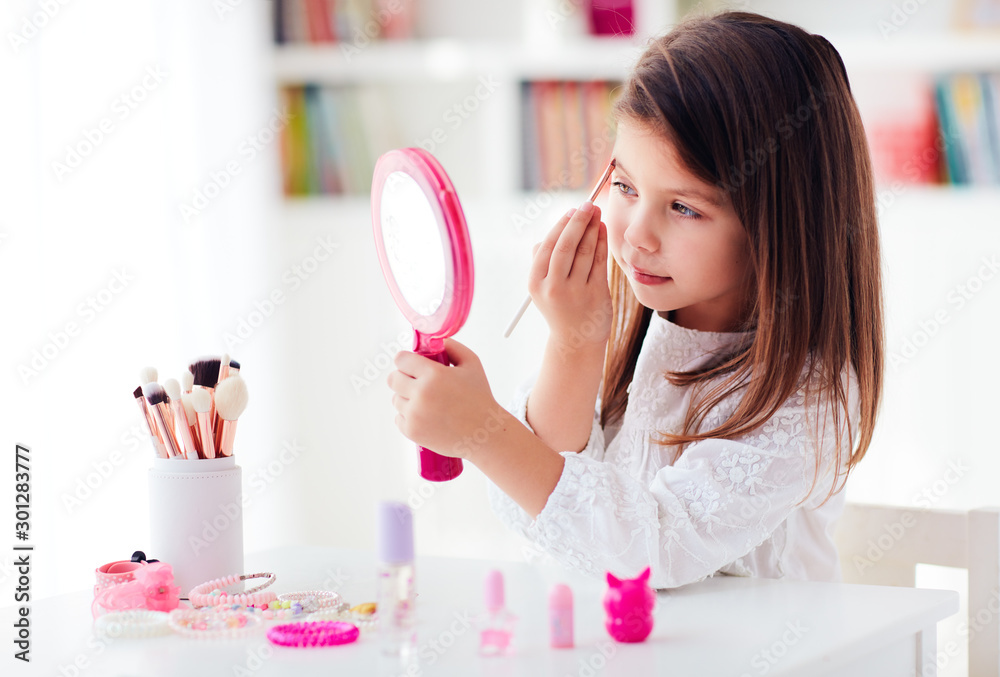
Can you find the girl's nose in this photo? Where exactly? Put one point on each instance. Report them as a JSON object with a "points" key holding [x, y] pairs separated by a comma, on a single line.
{"points": [[639, 235]]}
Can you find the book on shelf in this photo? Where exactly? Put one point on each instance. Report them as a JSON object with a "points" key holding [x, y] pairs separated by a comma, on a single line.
{"points": [[566, 133], [949, 135], [354, 22], [335, 134]]}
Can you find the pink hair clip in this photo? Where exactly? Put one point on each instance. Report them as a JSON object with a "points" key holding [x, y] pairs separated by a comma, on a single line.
{"points": [[152, 587], [313, 633]]}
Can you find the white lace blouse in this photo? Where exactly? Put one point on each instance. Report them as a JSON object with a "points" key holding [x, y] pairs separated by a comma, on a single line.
{"points": [[726, 506]]}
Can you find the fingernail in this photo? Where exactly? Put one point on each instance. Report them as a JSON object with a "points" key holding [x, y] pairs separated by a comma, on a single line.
{"points": [[586, 207], [570, 212]]}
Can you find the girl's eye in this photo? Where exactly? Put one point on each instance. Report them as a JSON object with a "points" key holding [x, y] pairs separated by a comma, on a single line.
{"points": [[686, 211], [622, 188]]}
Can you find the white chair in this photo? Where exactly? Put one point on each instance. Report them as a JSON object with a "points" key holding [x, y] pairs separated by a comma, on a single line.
{"points": [[881, 545]]}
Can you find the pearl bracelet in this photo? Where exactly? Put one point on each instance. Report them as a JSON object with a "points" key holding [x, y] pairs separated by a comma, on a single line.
{"points": [[132, 623], [211, 593], [207, 624], [313, 600]]}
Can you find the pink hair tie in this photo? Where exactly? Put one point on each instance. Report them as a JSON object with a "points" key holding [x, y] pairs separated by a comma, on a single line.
{"points": [[313, 633], [151, 586]]}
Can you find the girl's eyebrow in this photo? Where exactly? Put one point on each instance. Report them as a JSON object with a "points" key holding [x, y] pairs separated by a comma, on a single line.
{"points": [[712, 198]]}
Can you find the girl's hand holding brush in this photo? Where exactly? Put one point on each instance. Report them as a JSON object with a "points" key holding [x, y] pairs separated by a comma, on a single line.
{"points": [[569, 279]]}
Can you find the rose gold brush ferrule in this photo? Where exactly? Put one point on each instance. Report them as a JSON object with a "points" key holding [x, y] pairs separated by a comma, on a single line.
{"points": [[161, 414], [205, 434], [197, 439], [225, 436], [158, 446], [183, 431]]}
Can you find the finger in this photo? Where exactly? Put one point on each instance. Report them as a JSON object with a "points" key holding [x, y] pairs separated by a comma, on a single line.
{"points": [[542, 252], [412, 364], [599, 271], [401, 384], [566, 247], [583, 263], [459, 354]]}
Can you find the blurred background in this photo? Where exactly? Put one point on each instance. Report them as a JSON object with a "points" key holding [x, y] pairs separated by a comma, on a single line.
{"points": [[180, 178]]}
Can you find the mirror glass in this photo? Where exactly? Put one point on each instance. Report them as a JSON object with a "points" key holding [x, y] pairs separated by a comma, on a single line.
{"points": [[414, 244]]}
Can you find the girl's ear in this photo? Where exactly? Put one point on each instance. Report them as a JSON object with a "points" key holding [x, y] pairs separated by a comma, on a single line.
{"points": [[612, 581], [644, 576]]}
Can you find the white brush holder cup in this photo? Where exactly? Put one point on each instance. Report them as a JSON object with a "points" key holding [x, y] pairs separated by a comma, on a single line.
{"points": [[196, 518]]}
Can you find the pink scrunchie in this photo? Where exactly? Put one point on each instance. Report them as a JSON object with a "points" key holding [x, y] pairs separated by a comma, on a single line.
{"points": [[151, 588]]}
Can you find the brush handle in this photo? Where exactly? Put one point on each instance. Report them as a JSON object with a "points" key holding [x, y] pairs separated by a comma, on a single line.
{"points": [[182, 429], [161, 413], [158, 446], [205, 434], [224, 436]]}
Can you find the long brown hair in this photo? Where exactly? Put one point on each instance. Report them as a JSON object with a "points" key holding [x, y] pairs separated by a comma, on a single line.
{"points": [[764, 111]]}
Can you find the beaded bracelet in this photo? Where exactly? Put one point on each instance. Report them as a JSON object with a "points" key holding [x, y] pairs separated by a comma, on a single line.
{"points": [[200, 595], [132, 623], [313, 600], [313, 633], [364, 620], [202, 624]]}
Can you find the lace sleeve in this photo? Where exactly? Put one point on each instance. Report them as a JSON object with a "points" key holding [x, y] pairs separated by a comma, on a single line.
{"points": [[509, 512], [718, 502]]}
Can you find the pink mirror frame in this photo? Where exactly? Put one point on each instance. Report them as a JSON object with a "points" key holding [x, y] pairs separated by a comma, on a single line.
{"points": [[430, 330]]}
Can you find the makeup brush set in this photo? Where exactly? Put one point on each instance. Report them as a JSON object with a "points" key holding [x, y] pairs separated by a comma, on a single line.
{"points": [[194, 418]]}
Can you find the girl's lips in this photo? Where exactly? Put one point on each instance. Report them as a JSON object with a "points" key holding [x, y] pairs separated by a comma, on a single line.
{"points": [[643, 277]]}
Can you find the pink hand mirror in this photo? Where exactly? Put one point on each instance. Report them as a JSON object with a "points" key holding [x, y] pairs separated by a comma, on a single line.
{"points": [[426, 256]]}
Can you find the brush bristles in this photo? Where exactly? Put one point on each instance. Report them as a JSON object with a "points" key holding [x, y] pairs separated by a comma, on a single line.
{"points": [[137, 392], [173, 388], [231, 398], [233, 364], [154, 393], [187, 380], [147, 375], [206, 372], [201, 400], [188, 407]]}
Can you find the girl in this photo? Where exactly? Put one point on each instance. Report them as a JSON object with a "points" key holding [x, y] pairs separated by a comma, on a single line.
{"points": [[699, 411]]}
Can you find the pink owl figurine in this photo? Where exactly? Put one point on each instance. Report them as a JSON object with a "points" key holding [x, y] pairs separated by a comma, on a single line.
{"points": [[629, 604]]}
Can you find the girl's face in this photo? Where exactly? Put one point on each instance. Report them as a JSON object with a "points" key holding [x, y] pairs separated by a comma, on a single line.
{"points": [[676, 237]]}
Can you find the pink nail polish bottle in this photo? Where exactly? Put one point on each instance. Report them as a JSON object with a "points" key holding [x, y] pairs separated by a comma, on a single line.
{"points": [[561, 617], [497, 626]]}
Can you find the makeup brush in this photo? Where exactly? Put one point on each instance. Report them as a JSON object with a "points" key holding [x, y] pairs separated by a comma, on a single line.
{"points": [[147, 375], [230, 402], [223, 367], [593, 196], [158, 445], [206, 377], [201, 400], [159, 406], [192, 420], [234, 367], [182, 430], [187, 380]]}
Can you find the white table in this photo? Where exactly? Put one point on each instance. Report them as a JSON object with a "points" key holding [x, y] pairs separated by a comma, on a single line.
{"points": [[721, 626]]}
